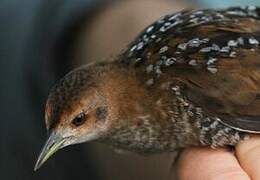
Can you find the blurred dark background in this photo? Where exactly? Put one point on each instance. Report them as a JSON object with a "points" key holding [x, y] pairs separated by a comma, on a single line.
{"points": [[40, 41]]}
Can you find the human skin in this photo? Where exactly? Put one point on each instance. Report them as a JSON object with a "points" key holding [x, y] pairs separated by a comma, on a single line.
{"points": [[213, 164]]}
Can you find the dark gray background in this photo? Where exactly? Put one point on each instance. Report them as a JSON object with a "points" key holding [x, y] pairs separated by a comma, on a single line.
{"points": [[29, 32]]}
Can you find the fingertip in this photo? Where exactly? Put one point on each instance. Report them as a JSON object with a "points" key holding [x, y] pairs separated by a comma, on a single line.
{"points": [[248, 154]]}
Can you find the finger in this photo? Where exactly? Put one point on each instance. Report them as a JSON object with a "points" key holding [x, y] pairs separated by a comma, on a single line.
{"points": [[248, 154], [209, 164]]}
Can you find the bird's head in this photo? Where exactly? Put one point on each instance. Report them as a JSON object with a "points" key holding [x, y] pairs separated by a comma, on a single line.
{"points": [[78, 110], [86, 104]]}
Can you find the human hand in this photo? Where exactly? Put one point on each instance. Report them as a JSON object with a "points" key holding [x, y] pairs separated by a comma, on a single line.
{"points": [[221, 164]]}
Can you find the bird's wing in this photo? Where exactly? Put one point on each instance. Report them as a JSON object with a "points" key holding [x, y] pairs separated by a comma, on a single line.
{"points": [[224, 77], [215, 54], [230, 88], [232, 93]]}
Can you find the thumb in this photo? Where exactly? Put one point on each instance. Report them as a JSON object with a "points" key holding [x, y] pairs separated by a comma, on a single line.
{"points": [[248, 155]]}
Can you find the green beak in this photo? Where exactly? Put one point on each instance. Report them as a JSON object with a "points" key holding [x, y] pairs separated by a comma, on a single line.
{"points": [[52, 145]]}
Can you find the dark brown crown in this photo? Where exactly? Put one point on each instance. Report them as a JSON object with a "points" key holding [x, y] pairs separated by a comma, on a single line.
{"points": [[69, 89]]}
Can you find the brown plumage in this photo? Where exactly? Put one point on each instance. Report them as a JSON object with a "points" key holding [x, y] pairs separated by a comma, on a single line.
{"points": [[191, 78]]}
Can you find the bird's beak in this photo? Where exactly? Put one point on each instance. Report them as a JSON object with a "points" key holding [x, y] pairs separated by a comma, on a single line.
{"points": [[52, 145]]}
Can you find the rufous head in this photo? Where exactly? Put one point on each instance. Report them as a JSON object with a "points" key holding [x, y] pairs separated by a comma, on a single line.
{"points": [[77, 110]]}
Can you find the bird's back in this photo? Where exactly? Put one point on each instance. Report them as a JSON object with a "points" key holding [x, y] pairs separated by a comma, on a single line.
{"points": [[213, 55]]}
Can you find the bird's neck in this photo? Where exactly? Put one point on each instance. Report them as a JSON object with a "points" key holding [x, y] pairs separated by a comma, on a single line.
{"points": [[126, 93], [134, 115]]}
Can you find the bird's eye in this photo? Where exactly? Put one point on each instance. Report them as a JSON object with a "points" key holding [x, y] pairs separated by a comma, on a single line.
{"points": [[80, 119]]}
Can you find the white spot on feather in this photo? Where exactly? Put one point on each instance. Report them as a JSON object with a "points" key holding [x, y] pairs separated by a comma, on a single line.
{"points": [[253, 41], [163, 49], [149, 29]]}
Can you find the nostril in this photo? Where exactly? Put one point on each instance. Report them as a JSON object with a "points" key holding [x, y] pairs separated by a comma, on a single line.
{"points": [[51, 145]]}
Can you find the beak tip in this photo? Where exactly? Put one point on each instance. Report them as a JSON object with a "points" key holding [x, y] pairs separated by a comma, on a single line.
{"points": [[35, 168], [37, 165]]}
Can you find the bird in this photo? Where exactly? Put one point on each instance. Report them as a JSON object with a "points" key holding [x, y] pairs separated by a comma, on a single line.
{"points": [[191, 78]]}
